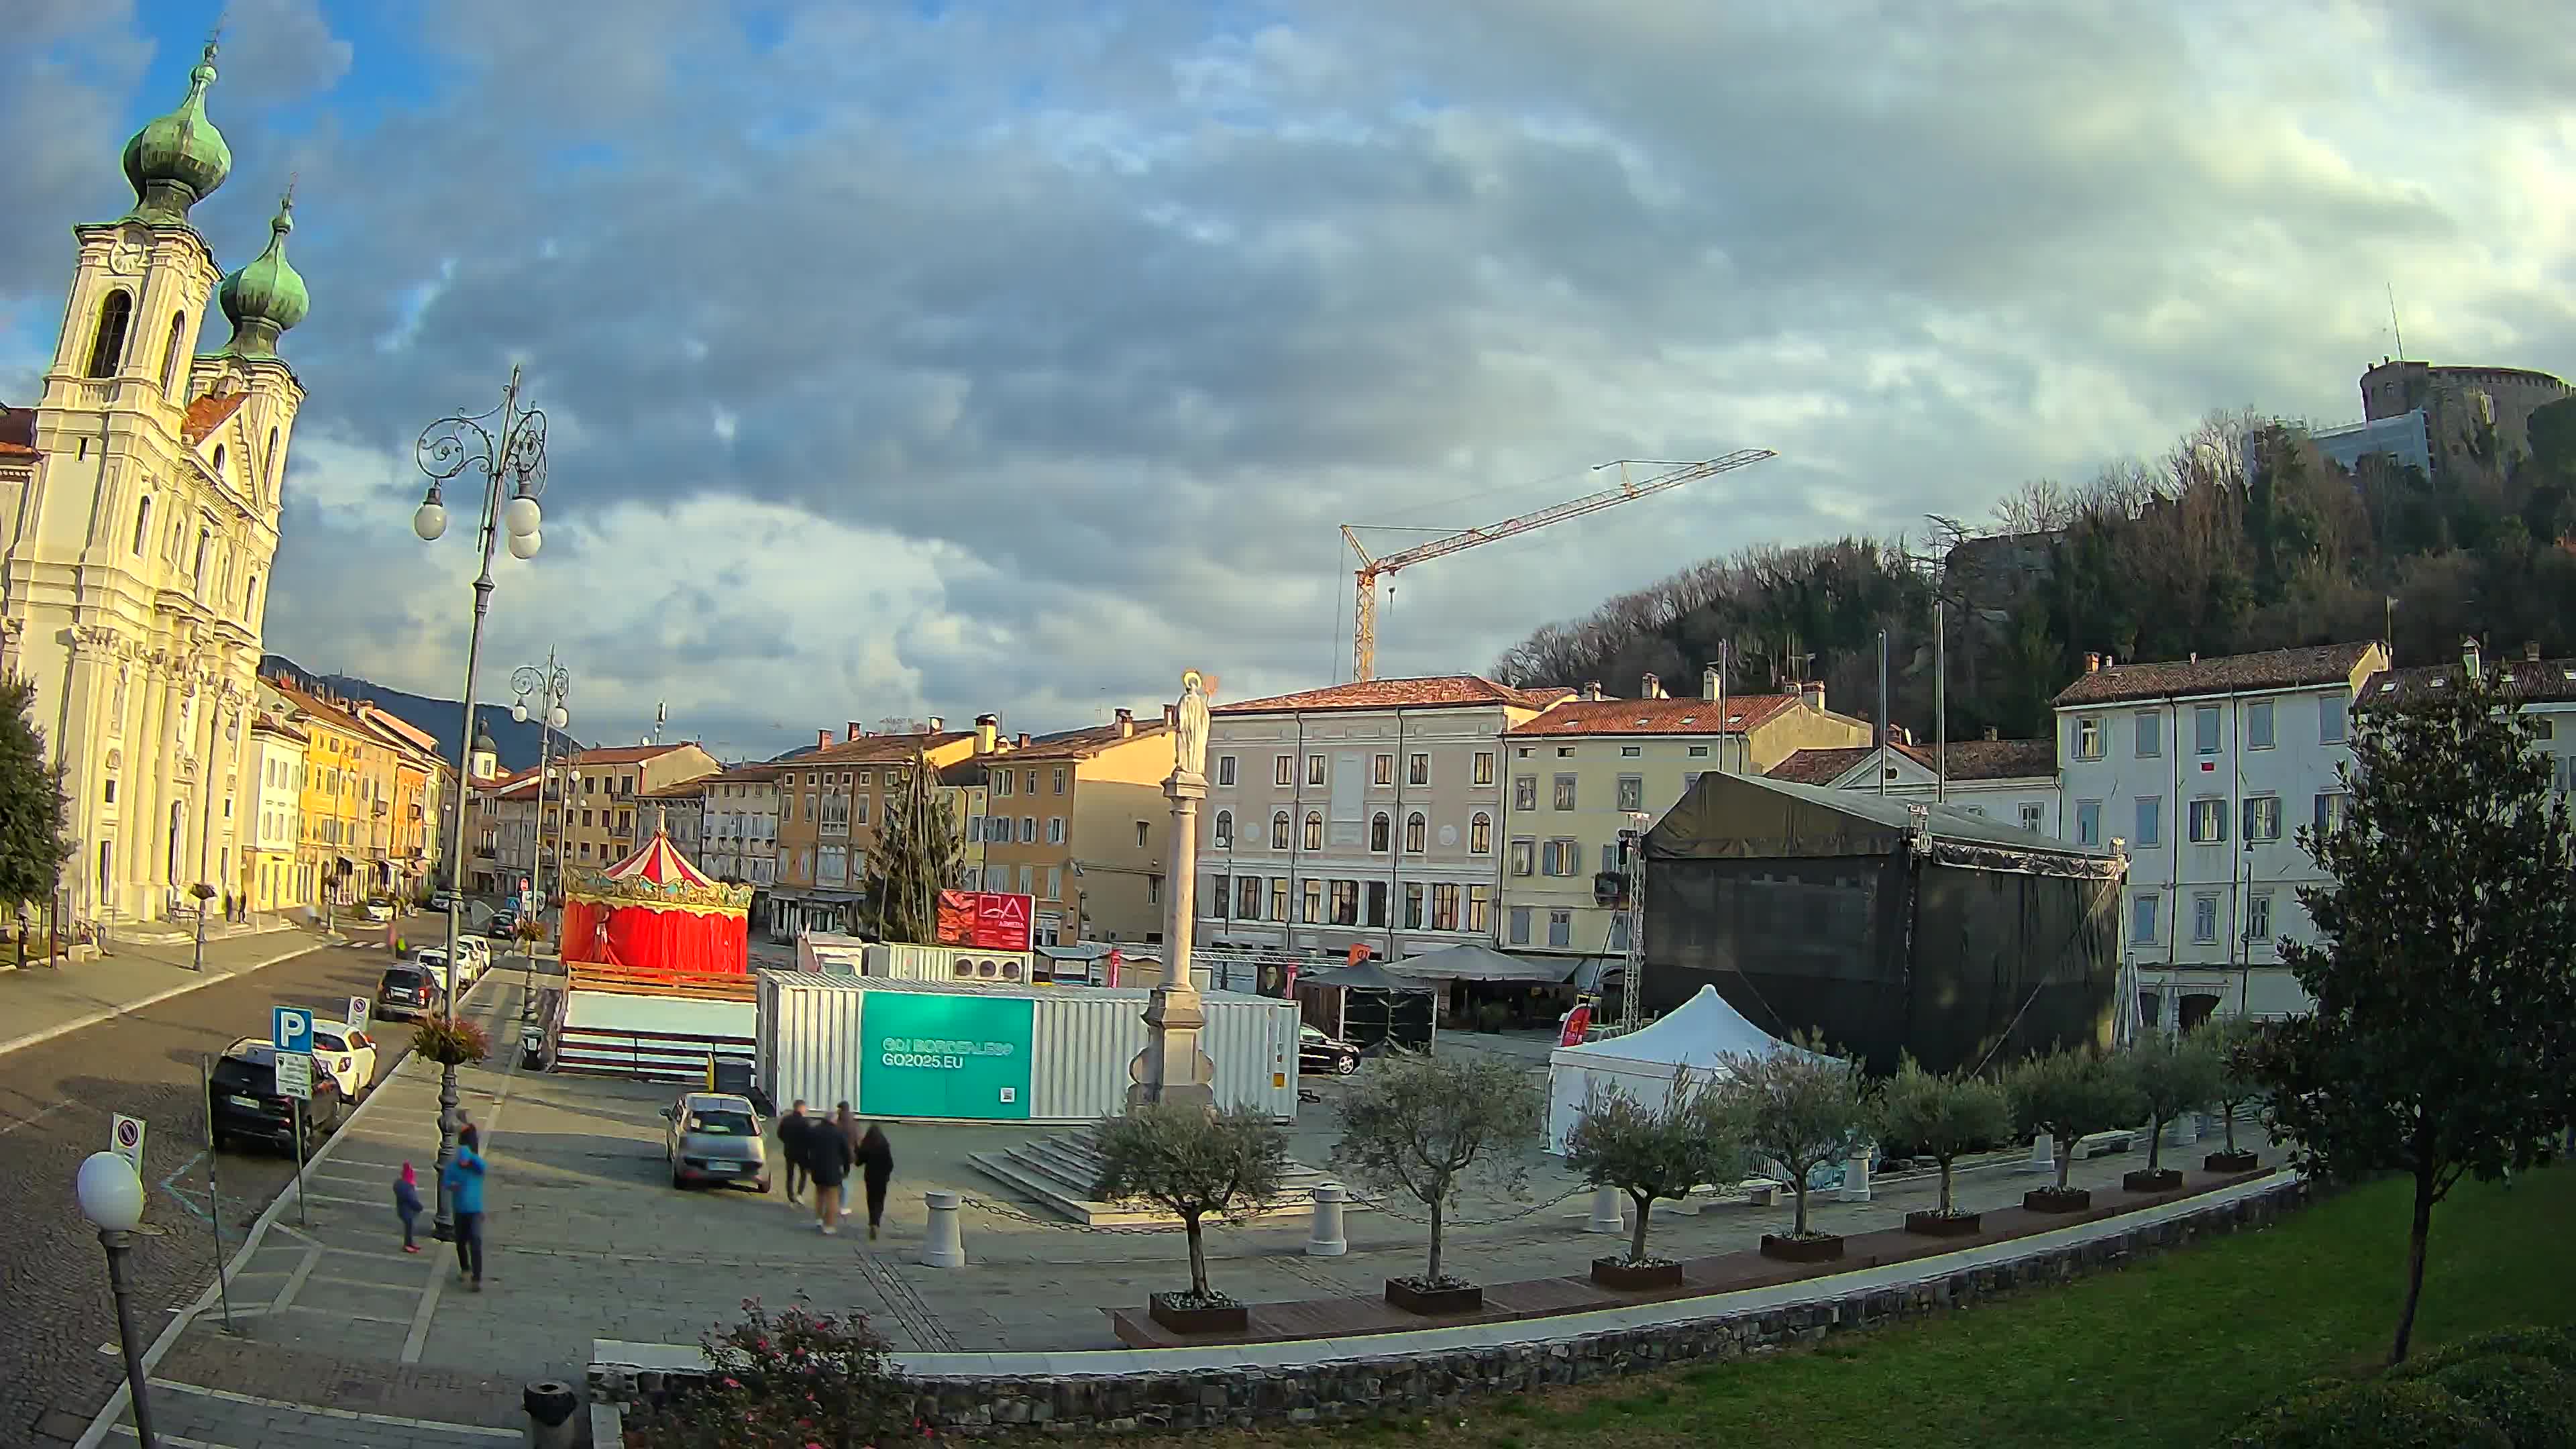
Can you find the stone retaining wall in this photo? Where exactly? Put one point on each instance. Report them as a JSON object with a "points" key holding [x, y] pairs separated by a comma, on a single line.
{"points": [[1398, 1384]]}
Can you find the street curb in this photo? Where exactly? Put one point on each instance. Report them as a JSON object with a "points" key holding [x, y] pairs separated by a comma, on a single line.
{"points": [[36, 1038], [104, 1424]]}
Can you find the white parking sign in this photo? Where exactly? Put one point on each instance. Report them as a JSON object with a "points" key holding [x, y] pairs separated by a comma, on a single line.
{"points": [[125, 1139], [295, 1075]]}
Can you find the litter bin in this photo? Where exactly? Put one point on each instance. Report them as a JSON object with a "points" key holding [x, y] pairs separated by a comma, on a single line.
{"points": [[551, 1406]]}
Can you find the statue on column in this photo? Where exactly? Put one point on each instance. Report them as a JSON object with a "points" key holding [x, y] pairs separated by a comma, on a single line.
{"points": [[1172, 1068], [1190, 739]]}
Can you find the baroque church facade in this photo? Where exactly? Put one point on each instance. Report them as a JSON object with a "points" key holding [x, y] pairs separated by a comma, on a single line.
{"points": [[140, 498]]}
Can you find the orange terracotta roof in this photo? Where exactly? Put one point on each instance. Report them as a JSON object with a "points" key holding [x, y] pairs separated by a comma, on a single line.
{"points": [[208, 413], [1969, 760], [1429, 692], [2544, 680], [2228, 674], [320, 708], [18, 450], [1083, 744], [274, 725], [758, 773], [684, 790], [872, 749], [18, 433], [1689, 716]]}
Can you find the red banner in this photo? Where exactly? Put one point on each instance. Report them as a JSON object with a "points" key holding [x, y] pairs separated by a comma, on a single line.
{"points": [[1115, 961], [985, 920], [1578, 1024]]}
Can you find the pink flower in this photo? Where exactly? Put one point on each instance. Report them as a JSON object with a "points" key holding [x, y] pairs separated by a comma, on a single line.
{"points": [[733, 1383]]}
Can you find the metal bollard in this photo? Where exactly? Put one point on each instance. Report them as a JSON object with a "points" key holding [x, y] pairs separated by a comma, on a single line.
{"points": [[551, 1423], [944, 1245], [1606, 1214], [2043, 1155], [1324, 1237], [1856, 1177]]}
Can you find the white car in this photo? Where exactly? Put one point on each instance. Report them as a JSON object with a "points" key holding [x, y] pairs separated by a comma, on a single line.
{"points": [[379, 911], [477, 952], [349, 1056], [433, 959]]}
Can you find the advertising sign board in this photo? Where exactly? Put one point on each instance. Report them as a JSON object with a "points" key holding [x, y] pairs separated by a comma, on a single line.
{"points": [[963, 1056], [986, 920]]}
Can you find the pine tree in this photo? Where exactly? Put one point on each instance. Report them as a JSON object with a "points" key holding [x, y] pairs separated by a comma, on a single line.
{"points": [[33, 809], [917, 855], [2444, 966]]}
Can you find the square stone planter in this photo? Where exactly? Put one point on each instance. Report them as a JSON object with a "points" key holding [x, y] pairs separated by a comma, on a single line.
{"points": [[1944, 1225], [2230, 1162], [1821, 1248], [1621, 1276], [2163, 1179], [1448, 1298], [2056, 1200], [1168, 1310]]}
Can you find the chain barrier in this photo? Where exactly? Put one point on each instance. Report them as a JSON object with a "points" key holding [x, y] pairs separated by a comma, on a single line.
{"points": [[1017, 1215], [1510, 1217]]}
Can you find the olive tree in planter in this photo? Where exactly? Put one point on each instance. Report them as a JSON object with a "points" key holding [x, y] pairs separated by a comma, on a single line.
{"points": [[1945, 1117], [2070, 1095], [2172, 1075], [2231, 1041], [1800, 1108], [1422, 1127], [1653, 1153], [1191, 1162]]}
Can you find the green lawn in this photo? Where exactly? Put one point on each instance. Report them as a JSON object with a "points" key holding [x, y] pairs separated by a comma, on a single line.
{"points": [[2172, 1352]]}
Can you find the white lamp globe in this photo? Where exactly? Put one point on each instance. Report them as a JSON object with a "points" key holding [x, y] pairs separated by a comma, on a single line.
{"points": [[559, 717], [521, 517], [430, 522], [519, 711], [111, 1196], [525, 545]]}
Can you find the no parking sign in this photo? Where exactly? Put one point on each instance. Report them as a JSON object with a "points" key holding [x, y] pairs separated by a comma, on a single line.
{"points": [[125, 1139]]}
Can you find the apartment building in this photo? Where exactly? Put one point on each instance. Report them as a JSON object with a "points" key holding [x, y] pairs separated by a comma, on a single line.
{"points": [[599, 826], [1079, 821], [1592, 767], [2204, 769], [2012, 781], [348, 769], [1365, 814], [422, 781], [511, 837], [680, 812], [2545, 687], [275, 828], [739, 830], [967, 789], [831, 801]]}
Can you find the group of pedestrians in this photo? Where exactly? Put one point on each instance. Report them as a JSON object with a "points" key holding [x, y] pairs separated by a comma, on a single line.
{"points": [[464, 1181], [826, 1150]]}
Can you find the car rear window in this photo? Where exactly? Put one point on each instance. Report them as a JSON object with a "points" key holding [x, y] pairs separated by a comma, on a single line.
{"points": [[721, 1124], [404, 976], [253, 1079]]}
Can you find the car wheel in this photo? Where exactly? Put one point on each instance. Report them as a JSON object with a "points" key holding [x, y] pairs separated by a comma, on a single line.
{"points": [[1349, 1065]]}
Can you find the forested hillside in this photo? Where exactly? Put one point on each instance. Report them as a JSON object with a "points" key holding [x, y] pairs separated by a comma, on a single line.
{"points": [[2195, 552]]}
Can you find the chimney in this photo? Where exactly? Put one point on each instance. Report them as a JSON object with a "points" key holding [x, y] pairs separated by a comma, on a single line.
{"points": [[1990, 733], [1023, 740], [1127, 722], [1813, 694], [1171, 718], [822, 739], [939, 724], [1708, 682], [1650, 688], [988, 730], [2531, 651], [2092, 663], [1592, 689], [2469, 656], [854, 731]]}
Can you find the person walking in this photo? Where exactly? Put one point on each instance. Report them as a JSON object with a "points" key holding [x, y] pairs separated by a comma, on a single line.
{"points": [[465, 1203], [407, 1204], [876, 1168], [793, 1129], [827, 1161]]}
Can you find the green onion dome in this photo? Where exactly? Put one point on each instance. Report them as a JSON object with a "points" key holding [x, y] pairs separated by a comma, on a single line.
{"points": [[176, 161], [266, 297]]}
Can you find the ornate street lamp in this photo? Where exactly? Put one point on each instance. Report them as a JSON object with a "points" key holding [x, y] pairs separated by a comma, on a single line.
{"points": [[111, 1197], [549, 684], [508, 446]]}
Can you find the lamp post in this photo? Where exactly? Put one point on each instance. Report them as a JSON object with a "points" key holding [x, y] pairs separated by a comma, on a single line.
{"points": [[549, 684], [508, 446], [111, 1197]]}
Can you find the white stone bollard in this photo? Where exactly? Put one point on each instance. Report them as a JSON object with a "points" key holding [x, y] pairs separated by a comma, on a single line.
{"points": [[943, 1245], [2183, 1130], [1324, 1237], [2043, 1155], [1606, 1216], [1856, 1177]]}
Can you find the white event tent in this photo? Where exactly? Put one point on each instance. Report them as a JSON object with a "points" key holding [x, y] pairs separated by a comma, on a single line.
{"points": [[1642, 1064]]}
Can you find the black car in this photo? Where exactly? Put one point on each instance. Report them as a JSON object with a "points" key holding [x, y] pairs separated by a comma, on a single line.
{"points": [[243, 1104], [1317, 1052], [408, 990]]}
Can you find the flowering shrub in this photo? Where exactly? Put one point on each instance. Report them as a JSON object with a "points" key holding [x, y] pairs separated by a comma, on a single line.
{"points": [[450, 1042], [796, 1379]]}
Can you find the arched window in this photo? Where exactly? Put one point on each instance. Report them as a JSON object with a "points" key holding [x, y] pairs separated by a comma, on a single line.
{"points": [[1314, 830], [142, 523], [268, 467], [205, 540], [1381, 833], [250, 598], [1480, 834], [1225, 830], [107, 344], [1414, 826], [1279, 831], [170, 353], [219, 460]]}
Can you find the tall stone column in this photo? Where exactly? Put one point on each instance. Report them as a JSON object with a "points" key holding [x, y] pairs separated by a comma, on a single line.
{"points": [[145, 810], [1172, 1068]]}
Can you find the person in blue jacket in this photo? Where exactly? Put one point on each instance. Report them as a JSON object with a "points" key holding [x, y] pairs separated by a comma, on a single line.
{"points": [[464, 1181]]}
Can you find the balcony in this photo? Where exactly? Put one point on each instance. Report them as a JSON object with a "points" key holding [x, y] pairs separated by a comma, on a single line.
{"points": [[621, 832]]}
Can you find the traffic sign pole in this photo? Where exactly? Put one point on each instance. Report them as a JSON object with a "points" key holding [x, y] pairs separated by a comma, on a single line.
{"points": [[215, 1192], [295, 1114]]}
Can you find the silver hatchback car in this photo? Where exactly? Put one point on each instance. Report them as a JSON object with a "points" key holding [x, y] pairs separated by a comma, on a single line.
{"points": [[715, 1138]]}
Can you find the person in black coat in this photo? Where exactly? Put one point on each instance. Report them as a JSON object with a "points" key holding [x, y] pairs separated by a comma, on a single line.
{"points": [[876, 1166], [793, 1130], [827, 1160]]}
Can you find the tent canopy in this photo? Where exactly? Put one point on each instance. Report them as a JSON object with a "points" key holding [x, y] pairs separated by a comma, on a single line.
{"points": [[1482, 963], [1369, 976], [1643, 1064]]}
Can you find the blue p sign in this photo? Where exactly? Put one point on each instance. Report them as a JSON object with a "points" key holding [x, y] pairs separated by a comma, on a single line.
{"points": [[290, 1029]]}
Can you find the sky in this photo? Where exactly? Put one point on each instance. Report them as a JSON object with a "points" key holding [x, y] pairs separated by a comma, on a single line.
{"points": [[943, 357]]}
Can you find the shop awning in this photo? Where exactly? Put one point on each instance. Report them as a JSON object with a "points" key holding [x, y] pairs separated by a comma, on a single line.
{"points": [[1483, 963]]}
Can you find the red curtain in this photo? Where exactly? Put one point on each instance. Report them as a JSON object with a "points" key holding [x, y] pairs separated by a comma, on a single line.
{"points": [[697, 942], [581, 921]]}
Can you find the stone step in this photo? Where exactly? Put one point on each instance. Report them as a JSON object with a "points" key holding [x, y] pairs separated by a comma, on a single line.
{"points": [[1057, 1173]]}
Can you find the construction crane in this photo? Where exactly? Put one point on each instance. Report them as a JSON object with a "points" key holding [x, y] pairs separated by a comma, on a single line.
{"points": [[1364, 614]]}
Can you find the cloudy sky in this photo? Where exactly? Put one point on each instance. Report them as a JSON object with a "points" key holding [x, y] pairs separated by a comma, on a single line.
{"points": [[925, 357]]}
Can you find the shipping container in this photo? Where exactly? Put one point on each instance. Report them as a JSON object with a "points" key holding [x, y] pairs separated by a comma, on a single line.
{"points": [[925, 1051]]}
